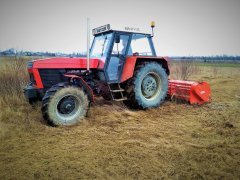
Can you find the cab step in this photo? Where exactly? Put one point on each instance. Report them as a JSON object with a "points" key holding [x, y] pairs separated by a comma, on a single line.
{"points": [[117, 92], [123, 99]]}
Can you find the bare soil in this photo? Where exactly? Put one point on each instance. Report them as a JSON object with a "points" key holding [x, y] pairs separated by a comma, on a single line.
{"points": [[176, 140]]}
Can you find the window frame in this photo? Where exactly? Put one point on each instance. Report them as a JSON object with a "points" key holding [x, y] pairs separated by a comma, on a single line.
{"points": [[150, 42]]}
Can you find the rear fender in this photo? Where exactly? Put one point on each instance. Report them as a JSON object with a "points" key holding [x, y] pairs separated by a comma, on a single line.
{"points": [[161, 60], [132, 61], [77, 80]]}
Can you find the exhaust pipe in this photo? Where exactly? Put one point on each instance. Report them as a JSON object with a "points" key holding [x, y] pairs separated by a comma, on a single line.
{"points": [[88, 44]]}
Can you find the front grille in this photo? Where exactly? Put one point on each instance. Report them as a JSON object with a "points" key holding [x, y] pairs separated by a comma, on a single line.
{"points": [[51, 77], [31, 77]]}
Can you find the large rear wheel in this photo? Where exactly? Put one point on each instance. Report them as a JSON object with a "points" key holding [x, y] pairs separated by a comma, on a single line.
{"points": [[65, 106], [148, 87]]}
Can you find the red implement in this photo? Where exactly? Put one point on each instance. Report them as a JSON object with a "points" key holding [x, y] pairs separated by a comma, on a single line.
{"points": [[193, 92]]}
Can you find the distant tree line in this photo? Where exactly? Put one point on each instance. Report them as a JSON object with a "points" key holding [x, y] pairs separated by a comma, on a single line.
{"points": [[207, 58], [13, 52]]}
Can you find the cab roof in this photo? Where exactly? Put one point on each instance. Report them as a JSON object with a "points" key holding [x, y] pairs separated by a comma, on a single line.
{"points": [[106, 29]]}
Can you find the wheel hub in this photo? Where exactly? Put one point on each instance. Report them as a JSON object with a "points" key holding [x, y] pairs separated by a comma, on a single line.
{"points": [[150, 85], [66, 105]]}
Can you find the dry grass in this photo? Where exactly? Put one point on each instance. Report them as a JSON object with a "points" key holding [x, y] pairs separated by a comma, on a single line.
{"points": [[176, 141], [13, 77], [184, 69]]}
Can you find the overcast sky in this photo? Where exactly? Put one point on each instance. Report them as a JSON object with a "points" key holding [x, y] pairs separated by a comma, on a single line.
{"points": [[183, 27]]}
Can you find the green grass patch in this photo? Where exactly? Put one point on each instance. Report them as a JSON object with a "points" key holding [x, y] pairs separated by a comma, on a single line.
{"points": [[213, 64]]}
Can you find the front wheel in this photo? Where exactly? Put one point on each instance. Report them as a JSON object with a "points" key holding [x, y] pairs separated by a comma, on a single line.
{"points": [[65, 106]]}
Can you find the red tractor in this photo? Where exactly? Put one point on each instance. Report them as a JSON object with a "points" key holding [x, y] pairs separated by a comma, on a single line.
{"points": [[123, 66]]}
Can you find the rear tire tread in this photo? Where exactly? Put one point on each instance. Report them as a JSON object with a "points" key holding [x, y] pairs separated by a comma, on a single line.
{"points": [[133, 100]]}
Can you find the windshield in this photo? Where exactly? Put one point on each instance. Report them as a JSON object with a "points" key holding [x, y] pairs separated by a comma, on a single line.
{"points": [[100, 46]]}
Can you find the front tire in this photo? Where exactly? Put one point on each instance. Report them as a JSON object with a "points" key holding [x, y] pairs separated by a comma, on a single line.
{"points": [[148, 88], [65, 106]]}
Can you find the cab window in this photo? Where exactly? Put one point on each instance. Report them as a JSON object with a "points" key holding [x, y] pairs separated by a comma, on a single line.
{"points": [[140, 45], [121, 47]]}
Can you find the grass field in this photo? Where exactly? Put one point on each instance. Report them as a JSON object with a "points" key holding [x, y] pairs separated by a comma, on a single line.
{"points": [[176, 140]]}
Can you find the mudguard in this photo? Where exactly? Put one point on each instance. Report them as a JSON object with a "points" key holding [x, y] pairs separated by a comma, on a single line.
{"points": [[78, 80]]}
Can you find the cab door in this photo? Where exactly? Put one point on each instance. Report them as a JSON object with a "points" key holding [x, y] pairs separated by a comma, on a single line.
{"points": [[117, 57]]}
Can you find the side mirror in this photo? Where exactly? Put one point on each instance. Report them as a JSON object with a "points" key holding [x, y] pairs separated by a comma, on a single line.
{"points": [[117, 38]]}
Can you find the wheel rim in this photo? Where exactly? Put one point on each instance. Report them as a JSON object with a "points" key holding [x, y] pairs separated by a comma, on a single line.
{"points": [[68, 107], [151, 85]]}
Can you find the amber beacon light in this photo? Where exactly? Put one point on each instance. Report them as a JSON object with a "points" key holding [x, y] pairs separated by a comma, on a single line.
{"points": [[152, 26]]}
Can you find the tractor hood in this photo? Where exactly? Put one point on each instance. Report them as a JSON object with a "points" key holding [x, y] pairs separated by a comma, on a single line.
{"points": [[63, 62]]}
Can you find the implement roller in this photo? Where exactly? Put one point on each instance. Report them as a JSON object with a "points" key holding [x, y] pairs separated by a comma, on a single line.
{"points": [[190, 91]]}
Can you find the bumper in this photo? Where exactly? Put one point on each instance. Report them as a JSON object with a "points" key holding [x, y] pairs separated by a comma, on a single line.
{"points": [[32, 94]]}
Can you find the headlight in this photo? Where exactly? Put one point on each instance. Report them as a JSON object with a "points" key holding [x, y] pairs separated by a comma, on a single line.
{"points": [[30, 64]]}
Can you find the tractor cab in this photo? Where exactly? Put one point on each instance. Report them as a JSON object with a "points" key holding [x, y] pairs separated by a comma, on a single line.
{"points": [[112, 47]]}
